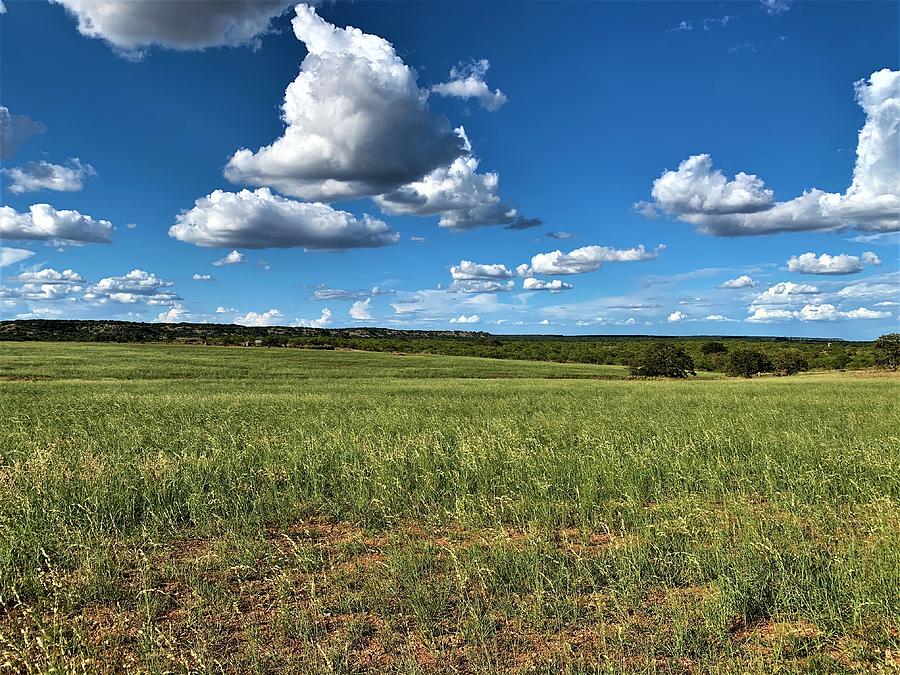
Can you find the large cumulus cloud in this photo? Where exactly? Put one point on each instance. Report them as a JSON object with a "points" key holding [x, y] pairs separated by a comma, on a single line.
{"points": [[357, 122], [260, 219], [697, 193], [132, 26]]}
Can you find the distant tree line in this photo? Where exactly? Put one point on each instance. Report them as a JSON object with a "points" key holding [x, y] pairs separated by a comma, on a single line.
{"points": [[645, 356]]}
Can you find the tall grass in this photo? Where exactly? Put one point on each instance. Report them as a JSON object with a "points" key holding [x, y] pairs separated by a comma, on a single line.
{"points": [[777, 498]]}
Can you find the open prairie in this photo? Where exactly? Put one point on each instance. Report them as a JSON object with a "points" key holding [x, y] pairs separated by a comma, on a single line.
{"points": [[194, 509]]}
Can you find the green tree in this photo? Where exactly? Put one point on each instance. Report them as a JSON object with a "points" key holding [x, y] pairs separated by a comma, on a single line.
{"points": [[746, 362], [790, 362], [713, 348], [661, 359], [887, 350]]}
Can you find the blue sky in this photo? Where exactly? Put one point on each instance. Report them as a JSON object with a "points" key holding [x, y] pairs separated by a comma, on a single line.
{"points": [[620, 163]]}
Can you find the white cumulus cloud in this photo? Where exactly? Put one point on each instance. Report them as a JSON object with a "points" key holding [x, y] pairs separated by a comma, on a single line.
{"points": [[463, 198], [357, 122], [271, 317], [44, 222], [743, 281], [260, 219], [233, 258], [784, 292], [467, 81], [42, 175], [462, 318], [132, 26], [585, 259], [138, 286], [202, 277], [813, 312], [698, 194], [808, 263], [323, 320], [359, 310], [552, 285], [676, 316], [175, 314]]}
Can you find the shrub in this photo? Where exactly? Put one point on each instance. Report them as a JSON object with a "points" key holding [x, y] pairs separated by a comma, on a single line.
{"points": [[887, 351], [745, 362], [661, 359], [790, 362]]}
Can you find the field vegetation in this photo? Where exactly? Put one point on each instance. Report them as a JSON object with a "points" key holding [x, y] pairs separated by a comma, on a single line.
{"points": [[208, 509]]}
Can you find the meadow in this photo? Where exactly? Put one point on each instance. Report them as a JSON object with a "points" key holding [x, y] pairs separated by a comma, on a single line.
{"points": [[254, 510]]}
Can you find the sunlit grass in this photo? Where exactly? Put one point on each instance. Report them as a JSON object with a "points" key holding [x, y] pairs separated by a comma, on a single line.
{"points": [[269, 510]]}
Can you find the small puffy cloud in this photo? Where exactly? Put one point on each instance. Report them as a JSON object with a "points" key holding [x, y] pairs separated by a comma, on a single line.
{"points": [[323, 320], [870, 258], [357, 122], [762, 314], [808, 263], [463, 198], [10, 256], [702, 196], [133, 26], [553, 285], [467, 81], [462, 318], [271, 317], [42, 175], [472, 277], [43, 222], [585, 259], [743, 281], [676, 316], [417, 239], [175, 314], [233, 258], [15, 130], [202, 277], [716, 317], [682, 26], [225, 310], [359, 310], [472, 270], [260, 219], [50, 276], [137, 286], [783, 293]]}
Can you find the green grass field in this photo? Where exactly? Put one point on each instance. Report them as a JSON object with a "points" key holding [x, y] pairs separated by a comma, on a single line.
{"points": [[207, 509]]}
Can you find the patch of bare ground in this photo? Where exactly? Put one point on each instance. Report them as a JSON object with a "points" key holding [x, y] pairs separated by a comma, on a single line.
{"points": [[317, 595]]}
